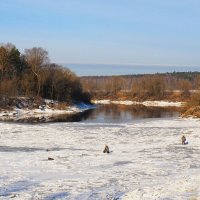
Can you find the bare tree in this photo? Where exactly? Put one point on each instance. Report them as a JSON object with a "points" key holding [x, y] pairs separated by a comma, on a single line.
{"points": [[36, 58], [185, 87]]}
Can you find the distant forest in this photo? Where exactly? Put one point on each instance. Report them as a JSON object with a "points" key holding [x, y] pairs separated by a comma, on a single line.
{"points": [[31, 74], [171, 86]]}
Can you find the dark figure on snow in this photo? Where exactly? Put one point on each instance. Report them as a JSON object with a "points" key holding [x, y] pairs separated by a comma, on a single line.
{"points": [[183, 140], [106, 149]]}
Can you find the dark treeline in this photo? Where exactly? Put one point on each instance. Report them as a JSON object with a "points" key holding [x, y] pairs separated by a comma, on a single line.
{"points": [[31, 74], [174, 86]]}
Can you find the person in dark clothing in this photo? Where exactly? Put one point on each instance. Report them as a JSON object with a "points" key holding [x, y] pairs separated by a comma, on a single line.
{"points": [[106, 149], [183, 140]]}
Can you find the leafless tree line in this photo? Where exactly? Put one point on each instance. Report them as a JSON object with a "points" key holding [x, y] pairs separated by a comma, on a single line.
{"points": [[151, 86], [32, 74]]}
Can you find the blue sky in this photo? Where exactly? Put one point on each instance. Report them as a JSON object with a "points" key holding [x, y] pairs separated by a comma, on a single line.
{"points": [[147, 32]]}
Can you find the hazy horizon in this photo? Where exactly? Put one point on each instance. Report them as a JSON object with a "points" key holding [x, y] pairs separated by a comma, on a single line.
{"points": [[102, 69]]}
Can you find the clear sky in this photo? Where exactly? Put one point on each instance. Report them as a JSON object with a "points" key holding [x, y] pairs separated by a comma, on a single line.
{"points": [[147, 32]]}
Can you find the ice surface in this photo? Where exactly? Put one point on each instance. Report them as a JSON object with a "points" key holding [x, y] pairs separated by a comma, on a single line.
{"points": [[147, 160]]}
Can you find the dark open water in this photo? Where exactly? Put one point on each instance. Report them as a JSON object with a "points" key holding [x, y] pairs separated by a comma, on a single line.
{"points": [[119, 114]]}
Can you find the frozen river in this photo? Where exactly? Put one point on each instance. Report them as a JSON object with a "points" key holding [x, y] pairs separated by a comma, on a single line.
{"points": [[147, 159]]}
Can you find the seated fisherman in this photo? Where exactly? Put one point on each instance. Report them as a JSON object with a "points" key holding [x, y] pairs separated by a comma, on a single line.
{"points": [[106, 149], [184, 140]]}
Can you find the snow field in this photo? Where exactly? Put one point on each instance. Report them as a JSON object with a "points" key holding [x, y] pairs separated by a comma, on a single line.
{"points": [[147, 160]]}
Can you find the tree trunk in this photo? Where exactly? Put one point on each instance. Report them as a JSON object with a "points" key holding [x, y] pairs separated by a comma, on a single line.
{"points": [[38, 82], [39, 86]]}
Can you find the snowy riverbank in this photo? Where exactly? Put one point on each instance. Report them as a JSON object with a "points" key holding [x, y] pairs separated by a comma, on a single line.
{"points": [[43, 113], [147, 160], [145, 103]]}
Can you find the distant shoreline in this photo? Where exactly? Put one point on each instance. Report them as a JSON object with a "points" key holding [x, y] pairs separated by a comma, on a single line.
{"points": [[145, 103]]}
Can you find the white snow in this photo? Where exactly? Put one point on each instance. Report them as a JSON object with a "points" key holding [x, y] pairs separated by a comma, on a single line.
{"points": [[147, 160], [145, 103]]}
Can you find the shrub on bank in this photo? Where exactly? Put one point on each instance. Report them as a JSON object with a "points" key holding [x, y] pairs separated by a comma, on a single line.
{"points": [[192, 112]]}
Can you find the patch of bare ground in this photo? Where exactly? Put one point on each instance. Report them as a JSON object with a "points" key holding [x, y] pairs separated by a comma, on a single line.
{"points": [[29, 103], [60, 106], [7, 103]]}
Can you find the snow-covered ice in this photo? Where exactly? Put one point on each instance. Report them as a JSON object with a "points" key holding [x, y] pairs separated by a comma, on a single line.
{"points": [[147, 160]]}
